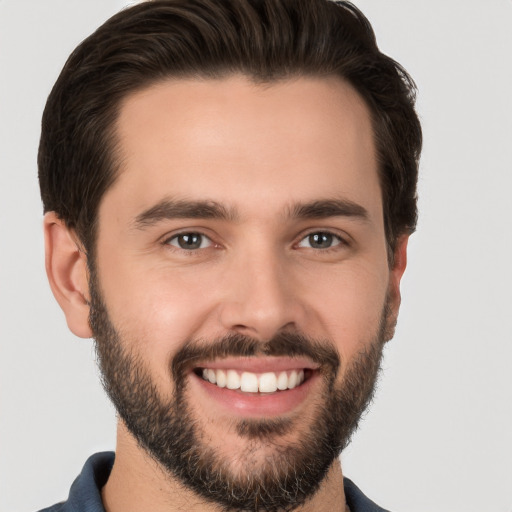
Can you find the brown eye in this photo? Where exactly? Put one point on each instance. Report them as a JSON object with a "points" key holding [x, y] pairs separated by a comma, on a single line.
{"points": [[190, 241]]}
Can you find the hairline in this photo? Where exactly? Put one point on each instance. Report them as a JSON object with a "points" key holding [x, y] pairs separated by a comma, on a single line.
{"points": [[114, 146]]}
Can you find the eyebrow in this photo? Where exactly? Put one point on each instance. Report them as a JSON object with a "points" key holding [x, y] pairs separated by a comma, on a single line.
{"points": [[329, 208], [183, 209]]}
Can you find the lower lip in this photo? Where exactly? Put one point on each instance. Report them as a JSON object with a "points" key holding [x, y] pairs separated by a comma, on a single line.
{"points": [[257, 404]]}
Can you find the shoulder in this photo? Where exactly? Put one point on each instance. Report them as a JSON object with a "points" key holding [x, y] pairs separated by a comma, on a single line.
{"points": [[85, 493], [59, 507], [357, 501]]}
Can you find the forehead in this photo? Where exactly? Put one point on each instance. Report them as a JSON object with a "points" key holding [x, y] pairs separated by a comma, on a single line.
{"points": [[246, 144]]}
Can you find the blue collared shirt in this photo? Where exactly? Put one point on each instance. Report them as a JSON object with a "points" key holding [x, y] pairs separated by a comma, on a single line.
{"points": [[85, 493]]}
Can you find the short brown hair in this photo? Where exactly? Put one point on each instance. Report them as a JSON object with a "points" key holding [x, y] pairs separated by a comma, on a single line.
{"points": [[267, 40]]}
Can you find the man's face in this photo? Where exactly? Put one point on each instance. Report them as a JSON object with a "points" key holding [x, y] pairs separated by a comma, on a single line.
{"points": [[243, 247]]}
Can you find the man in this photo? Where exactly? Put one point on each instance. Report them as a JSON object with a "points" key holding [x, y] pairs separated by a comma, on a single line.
{"points": [[229, 188]]}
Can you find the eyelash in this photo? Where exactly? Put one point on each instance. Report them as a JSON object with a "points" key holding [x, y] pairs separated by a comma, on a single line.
{"points": [[189, 252], [341, 242]]}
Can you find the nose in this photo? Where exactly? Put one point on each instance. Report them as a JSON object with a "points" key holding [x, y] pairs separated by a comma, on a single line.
{"points": [[261, 296]]}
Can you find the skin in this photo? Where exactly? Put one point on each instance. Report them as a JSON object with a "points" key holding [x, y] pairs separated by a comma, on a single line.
{"points": [[257, 150]]}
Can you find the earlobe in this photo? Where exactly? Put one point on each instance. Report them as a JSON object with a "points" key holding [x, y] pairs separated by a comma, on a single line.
{"points": [[395, 277], [66, 268]]}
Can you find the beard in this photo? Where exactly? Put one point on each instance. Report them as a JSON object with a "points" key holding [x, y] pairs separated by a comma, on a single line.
{"points": [[173, 435]]}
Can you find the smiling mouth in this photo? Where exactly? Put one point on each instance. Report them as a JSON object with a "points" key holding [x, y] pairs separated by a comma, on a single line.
{"points": [[249, 382]]}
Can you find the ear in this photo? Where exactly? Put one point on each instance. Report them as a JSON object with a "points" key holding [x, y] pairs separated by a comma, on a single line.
{"points": [[66, 268], [395, 277]]}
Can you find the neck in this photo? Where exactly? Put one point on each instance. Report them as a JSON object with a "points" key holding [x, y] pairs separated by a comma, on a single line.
{"points": [[138, 483]]}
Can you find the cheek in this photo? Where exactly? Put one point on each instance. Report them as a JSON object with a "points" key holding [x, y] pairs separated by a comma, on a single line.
{"points": [[348, 305], [159, 305], [155, 309]]}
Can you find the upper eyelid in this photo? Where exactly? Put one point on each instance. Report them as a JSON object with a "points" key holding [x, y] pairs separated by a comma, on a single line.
{"points": [[342, 236], [176, 235], [169, 236], [166, 242]]}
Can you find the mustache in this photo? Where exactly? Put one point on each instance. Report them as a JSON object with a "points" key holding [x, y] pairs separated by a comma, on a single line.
{"points": [[238, 345]]}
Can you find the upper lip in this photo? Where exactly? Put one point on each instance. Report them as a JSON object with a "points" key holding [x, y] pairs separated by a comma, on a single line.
{"points": [[259, 364]]}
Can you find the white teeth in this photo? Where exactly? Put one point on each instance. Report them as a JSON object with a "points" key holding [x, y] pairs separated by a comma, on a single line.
{"points": [[211, 376], [249, 382], [232, 380], [292, 380], [222, 379], [282, 381], [268, 383]]}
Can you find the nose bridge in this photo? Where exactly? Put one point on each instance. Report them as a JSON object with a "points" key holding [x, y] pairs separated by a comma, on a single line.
{"points": [[259, 300]]}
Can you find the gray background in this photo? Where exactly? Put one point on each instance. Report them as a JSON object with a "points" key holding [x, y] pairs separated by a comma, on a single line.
{"points": [[439, 434]]}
